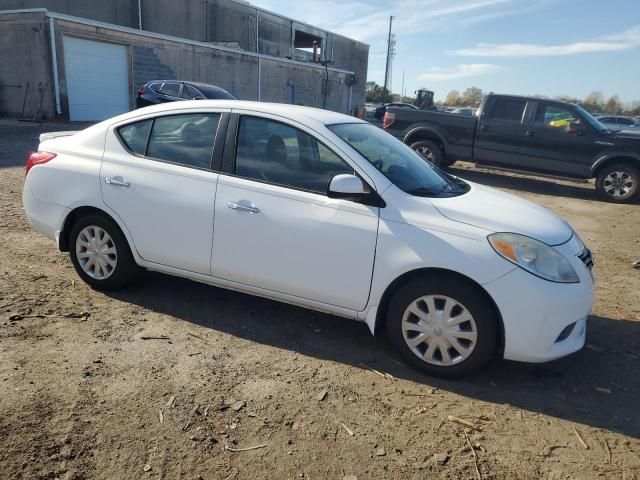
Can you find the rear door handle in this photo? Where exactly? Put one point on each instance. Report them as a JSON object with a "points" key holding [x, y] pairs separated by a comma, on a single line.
{"points": [[243, 207], [529, 133], [117, 181], [484, 127]]}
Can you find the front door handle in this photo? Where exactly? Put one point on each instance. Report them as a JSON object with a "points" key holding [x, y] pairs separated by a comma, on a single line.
{"points": [[529, 133], [117, 181], [242, 206], [483, 127]]}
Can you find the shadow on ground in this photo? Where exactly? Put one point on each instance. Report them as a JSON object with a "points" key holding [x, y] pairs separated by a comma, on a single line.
{"points": [[575, 388]]}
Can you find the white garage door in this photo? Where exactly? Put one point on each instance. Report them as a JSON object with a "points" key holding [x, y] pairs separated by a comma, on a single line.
{"points": [[97, 76]]}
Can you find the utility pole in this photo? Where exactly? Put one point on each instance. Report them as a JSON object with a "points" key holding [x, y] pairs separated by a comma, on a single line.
{"points": [[386, 70], [402, 89]]}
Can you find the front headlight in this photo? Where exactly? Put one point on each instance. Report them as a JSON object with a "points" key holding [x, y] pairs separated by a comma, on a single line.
{"points": [[534, 256]]}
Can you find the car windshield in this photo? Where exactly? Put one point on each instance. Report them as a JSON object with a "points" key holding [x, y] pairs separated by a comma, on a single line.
{"points": [[591, 120], [399, 163]]}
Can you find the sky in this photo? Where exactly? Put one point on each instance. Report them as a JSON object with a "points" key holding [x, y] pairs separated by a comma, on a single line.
{"points": [[527, 47]]}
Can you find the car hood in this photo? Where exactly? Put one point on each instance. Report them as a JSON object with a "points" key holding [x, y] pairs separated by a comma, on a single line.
{"points": [[631, 134], [498, 211]]}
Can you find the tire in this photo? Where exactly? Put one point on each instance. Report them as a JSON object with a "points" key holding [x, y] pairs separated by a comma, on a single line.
{"points": [[117, 266], [464, 296], [618, 182], [431, 152]]}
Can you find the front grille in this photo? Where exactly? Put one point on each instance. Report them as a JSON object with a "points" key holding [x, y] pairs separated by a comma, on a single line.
{"points": [[587, 258]]}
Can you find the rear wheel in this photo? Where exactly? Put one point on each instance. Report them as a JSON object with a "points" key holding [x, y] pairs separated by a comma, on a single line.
{"points": [[618, 182], [442, 326], [431, 152], [100, 253]]}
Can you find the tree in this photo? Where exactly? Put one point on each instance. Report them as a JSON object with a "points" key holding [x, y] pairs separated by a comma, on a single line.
{"points": [[613, 106], [594, 102], [472, 97], [376, 94], [453, 99], [568, 98]]}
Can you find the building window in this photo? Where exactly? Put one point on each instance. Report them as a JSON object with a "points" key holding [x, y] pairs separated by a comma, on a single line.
{"points": [[304, 42], [290, 93]]}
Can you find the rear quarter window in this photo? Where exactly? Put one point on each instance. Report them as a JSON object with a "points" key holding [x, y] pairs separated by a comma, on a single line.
{"points": [[135, 136], [508, 110]]}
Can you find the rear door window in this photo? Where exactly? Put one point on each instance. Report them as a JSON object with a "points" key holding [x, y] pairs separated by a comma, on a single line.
{"points": [[191, 93], [508, 110], [184, 139], [171, 89]]}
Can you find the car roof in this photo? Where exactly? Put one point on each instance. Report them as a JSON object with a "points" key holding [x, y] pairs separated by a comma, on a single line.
{"points": [[293, 112]]}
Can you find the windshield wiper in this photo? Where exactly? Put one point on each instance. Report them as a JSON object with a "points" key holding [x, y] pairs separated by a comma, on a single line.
{"points": [[424, 191]]}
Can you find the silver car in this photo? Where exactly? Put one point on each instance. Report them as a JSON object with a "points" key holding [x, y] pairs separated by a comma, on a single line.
{"points": [[616, 123]]}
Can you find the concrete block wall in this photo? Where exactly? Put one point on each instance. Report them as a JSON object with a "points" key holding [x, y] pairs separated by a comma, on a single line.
{"points": [[156, 58], [215, 21], [26, 56], [119, 12], [25, 67]]}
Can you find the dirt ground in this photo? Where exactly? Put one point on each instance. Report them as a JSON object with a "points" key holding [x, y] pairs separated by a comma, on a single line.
{"points": [[86, 394]]}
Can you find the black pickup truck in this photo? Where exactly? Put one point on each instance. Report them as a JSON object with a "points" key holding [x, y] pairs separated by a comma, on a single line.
{"points": [[527, 134]]}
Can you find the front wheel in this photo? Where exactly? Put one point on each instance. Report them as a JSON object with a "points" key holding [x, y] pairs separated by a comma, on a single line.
{"points": [[443, 326], [100, 253], [618, 182]]}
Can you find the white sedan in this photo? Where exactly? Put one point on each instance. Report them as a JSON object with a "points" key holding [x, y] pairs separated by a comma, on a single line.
{"points": [[320, 210]]}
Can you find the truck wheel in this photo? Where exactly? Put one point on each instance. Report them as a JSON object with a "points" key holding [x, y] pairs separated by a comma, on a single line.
{"points": [[618, 182], [442, 326], [431, 152]]}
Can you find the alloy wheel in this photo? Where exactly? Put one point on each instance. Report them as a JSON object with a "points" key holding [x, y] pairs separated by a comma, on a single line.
{"points": [[425, 152], [618, 183]]}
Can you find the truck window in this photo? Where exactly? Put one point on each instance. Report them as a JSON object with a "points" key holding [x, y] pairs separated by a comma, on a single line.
{"points": [[508, 110], [554, 117]]}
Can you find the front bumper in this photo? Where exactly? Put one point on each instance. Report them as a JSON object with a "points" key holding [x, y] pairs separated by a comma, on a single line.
{"points": [[535, 312]]}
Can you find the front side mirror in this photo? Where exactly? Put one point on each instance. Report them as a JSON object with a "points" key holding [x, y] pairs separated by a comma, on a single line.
{"points": [[347, 186], [351, 187], [575, 128]]}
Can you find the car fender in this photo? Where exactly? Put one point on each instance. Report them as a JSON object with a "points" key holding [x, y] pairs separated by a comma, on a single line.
{"points": [[72, 179], [613, 155], [403, 248], [424, 128], [105, 209]]}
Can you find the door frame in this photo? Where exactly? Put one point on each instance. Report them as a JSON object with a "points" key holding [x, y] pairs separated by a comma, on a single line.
{"points": [[227, 164]]}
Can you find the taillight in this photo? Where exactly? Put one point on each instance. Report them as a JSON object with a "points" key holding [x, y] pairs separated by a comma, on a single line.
{"points": [[38, 158], [141, 91], [389, 118]]}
